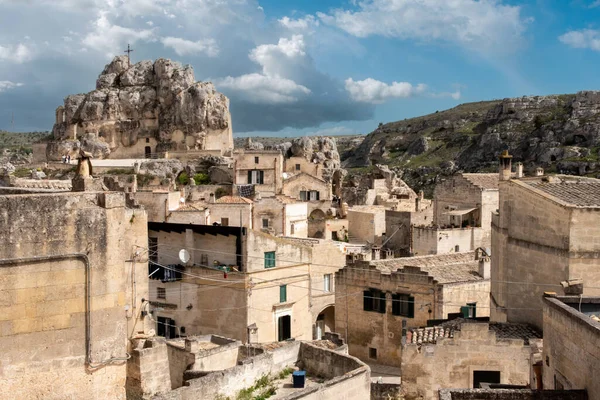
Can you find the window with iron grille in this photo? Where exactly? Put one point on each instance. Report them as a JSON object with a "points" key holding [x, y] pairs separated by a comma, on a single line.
{"points": [[161, 293]]}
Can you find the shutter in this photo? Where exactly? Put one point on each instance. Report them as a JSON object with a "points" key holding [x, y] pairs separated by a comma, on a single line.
{"points": [[249, 176], [474, 308], [382, 302], [411, 307], [317, 195], [303, 195], [464, 310], [261, 179], [172, 327], [367, 300], [396, 304], [282, 293]]}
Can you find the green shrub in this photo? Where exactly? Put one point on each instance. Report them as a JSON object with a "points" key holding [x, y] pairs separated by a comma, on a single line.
{"points": [[183, 179], [220, 192], [201, 179], [22, 172]]}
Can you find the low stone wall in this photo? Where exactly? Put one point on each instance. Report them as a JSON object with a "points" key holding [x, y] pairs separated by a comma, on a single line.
{"points": [[202, 192], [511, 394], [148, 369], [230, 381]]}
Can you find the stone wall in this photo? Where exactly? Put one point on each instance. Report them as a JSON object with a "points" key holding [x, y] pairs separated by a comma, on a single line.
{"points": [[571, 354], [511, 394], [428, 240], [451, 362], [158, 204], [367, 224], [236, 214], [56, 250], [455, 295], [148, 369], [362, 329]]}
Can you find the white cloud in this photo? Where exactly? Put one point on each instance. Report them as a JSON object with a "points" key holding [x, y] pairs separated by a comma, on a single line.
{"points": [[300, 24], [183, 47], [109, 38], [271, 86], [484, 25], [376, 92], [17, 54], [7, 85], [265, 89], [334, 131], [582, 39], [595, 4]]}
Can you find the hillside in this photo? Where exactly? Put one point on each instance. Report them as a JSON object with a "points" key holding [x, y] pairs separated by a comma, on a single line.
{"points": [[20, 140], [560, 133]]}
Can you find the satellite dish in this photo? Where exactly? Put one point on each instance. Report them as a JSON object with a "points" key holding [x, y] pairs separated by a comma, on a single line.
{"points": [[285, 175], [184, 256]]}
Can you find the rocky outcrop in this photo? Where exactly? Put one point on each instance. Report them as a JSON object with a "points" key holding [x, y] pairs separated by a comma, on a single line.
{"points": [[161, 168], [559, 133], [158, 102]]}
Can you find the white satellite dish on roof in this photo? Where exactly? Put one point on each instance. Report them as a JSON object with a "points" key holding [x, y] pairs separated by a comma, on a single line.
{"points": [[285, 175], [184, 256]]}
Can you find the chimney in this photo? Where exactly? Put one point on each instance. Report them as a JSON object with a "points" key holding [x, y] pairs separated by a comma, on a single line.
{"points": [[505, 166], [539, 172], [519, 170], [211, 198], [484, 267]]}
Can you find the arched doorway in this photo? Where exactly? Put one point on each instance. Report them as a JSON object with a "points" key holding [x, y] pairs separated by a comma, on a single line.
{"points": [[316, 224], [325, 322]]}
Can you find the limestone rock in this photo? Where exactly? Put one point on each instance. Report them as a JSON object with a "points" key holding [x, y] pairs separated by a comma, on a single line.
{"points": [[220, 175], [6, 169], [148, 99], [419, 146], [302, 147], [161, 168], [38, 175]]}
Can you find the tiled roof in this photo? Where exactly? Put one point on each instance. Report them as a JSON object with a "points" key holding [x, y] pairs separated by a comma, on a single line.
{"points": [[286, 199], [483, 181], [503, 330], [444, 268], [233, 200], [576, 192]]}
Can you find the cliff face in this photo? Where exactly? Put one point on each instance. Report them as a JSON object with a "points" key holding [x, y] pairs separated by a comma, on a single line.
{"points": [[156, 101], [560, 133]]}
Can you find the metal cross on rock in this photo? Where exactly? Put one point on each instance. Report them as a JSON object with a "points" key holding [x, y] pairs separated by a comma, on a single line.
{"points": [[128, 51]]}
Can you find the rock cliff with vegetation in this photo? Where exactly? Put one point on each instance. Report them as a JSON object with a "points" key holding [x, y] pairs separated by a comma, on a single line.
{"points": [[560, 133]]}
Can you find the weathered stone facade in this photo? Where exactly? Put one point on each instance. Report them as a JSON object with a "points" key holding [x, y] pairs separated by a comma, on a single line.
{"points": [[451, 362], [547, 231], [69, 304]]}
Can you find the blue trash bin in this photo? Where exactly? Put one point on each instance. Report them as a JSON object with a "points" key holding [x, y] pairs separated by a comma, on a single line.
{"points": [[299, 378]]}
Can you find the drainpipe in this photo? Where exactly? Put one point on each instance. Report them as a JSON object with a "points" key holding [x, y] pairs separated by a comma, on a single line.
{"points": [[88, 315]]}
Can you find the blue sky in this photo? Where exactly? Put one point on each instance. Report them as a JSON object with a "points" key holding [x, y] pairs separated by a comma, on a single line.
{"points": [[304, 67]]}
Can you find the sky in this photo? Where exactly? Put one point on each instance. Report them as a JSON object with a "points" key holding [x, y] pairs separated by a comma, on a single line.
{"points": [[304, 67]]}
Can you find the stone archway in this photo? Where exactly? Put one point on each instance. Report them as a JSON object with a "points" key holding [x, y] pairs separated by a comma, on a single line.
{"points": [[325, 322], [316, 224]]}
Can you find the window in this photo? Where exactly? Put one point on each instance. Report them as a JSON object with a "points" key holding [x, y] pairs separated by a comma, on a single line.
{"points": [[480, 377], [303, 195], [374, 300], [147, 140], [282, 293], [373, 353], [256, 160], [327, 282], [313, 195], [224, 221], [291, 229], [284, 327], [256, 177], [456, 248], [297, 167], [265, 223], [161, 293], [153, 249], [403, 305], [204, 259], [269, 259], [166, 327], [469, 311]]}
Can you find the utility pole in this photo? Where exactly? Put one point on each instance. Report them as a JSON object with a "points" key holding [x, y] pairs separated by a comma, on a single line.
{"points": [[12, 122], [129, 51]]}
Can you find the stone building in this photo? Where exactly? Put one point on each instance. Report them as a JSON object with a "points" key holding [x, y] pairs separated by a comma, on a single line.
{"points": [[462, 216], [245, 284], [72, 278], [399, 226], [547, 231], [366, 224], [464, 354], [281, 216], [231, 211], [376, 300], [571, 358], [261, 168], [143, 110]]}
